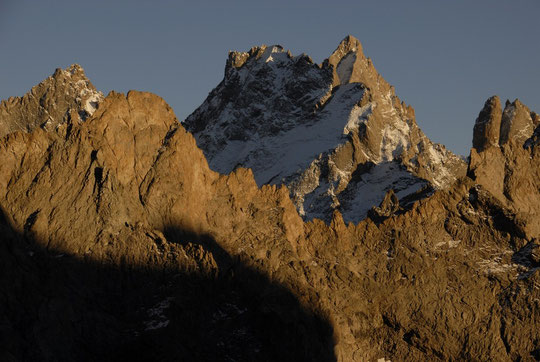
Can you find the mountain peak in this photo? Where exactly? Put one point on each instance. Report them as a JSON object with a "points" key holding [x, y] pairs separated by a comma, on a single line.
{"points": [[517, 123], [496, 127], [347, 45], [66, 95], [343, 116], [72, 70], [350, 65], [487, 126], [260, 54]]}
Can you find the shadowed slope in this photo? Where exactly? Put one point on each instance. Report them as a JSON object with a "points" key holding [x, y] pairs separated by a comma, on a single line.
{"points": [[193, 302]]}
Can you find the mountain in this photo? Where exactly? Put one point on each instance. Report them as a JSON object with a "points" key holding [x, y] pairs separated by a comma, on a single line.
{"points": [[335, 133], [66, 95], [118, 242]]}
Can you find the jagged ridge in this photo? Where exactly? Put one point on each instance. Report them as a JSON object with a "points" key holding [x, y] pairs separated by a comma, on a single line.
{"points": [[453, 277], [324, 130], [67, 95]]}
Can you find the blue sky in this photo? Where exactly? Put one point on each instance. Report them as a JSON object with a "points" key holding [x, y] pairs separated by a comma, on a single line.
{"points": [[445, 58]]}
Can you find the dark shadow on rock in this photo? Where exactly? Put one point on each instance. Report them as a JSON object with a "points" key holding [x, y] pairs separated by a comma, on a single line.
{"points": [[247, 316], [529, 257], [503, 219], [60, 307]]}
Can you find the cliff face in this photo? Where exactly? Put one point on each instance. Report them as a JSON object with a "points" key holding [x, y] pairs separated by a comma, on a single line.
{"points": [[504, 158], [120, 242], [358, 140]]}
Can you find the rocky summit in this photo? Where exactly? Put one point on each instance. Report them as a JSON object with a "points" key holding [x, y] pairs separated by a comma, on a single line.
{"points": [[65, 96], [335, 133], [325, 226]]}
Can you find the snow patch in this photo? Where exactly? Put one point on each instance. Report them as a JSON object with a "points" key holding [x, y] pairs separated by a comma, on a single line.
{"points": [[358, 116], [395, 139], [495, 266], [435, 157], [525, 132], [91, 104], [360, 195], [274, 53], [157, 314], [438, 157], [449, 243]]}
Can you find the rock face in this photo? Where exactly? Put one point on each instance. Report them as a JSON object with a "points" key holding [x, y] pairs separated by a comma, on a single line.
{"points": [[126, 197], [487, 128], [352, 127], [388, 207], [119, 242], [503, 157], [64, 96]]}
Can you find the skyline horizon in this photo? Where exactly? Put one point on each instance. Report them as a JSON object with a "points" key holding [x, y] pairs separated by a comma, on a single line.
{"points": [[444, 69]]}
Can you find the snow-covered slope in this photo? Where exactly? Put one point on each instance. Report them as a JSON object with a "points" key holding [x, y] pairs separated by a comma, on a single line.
{"points": [[275, 155], [335, 132]]}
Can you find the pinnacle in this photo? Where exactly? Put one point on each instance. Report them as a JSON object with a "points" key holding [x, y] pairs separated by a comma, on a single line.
{"points": [[348, 44], [73, 69], [493, 100], [350, 39], [487, 126], [515, 103]]}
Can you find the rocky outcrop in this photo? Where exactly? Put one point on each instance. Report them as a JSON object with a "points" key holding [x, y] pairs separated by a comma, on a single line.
{"points": [[344, 114], [388, 207], [119, 242], [504, 158], [66, 95], [487, 127]]}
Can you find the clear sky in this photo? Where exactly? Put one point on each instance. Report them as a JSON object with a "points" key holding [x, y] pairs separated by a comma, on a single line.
{"points": [[445, 58]]}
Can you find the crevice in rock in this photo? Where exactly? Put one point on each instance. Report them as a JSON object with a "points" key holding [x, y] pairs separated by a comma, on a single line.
{"points": [[98, 185], [503, 337], [31, 220]]}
